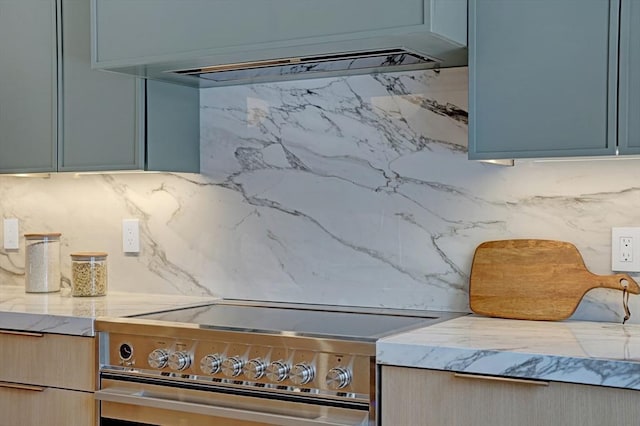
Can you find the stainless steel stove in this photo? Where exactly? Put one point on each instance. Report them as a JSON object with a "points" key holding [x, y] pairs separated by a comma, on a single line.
{"points": [[246, 363]]}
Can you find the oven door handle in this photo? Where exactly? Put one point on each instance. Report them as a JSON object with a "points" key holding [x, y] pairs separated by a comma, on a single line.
{"points": [[306, 418]]}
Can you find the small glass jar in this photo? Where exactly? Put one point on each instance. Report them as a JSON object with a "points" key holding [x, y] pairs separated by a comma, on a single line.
{"points": [[42, 262], [88, 274]]}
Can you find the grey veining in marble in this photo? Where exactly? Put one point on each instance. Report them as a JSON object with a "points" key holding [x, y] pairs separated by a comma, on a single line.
{"points": [[571, 351], [352, 191], [60, 313]]}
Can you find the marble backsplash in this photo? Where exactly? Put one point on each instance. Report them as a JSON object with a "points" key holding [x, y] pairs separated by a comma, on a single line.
{"points": [[353, 191]]}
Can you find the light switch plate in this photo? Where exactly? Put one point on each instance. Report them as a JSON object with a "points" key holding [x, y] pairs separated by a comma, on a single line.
{"points": [[625, 249], [11, 234]]}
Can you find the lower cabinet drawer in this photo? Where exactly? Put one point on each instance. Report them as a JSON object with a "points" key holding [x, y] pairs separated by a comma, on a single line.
{"points": [[28, 405], [441, 398], [46, 359]]}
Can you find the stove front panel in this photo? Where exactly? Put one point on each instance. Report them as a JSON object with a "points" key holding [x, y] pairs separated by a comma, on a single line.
{"points": [[244, 361]]}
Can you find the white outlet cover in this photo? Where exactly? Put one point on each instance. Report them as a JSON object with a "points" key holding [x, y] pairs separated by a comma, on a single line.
{"points": [[617, 264], [131, 236], [11, 234]]}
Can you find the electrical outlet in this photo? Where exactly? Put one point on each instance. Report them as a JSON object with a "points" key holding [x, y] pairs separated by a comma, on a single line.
{"points": [[11, 234], [625, 249], [131, 236]]}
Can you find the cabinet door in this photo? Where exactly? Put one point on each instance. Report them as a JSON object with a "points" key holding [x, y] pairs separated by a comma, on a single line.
{"points": [[26, 405], [100, 125], [27, 85], [629, 112], [439, 398], [542, 78], [128, 30]]}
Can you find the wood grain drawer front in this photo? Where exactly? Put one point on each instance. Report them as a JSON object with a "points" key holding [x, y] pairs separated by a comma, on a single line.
{"points": [[33, 406], [48, 360], [439, 398]]}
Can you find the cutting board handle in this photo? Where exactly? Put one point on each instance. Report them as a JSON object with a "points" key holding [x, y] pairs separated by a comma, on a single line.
{"points": [[617, 282]]}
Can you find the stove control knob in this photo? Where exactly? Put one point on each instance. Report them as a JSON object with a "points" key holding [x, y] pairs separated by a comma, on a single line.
{"points": [[254, 369], [158, 358], [338, 378], [232, 367], [277, 371], [210, 364], [180, 360], [302, 373]]}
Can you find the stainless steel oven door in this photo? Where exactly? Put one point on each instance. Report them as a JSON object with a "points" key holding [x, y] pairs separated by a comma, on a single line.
{"points": [[154, 404]]}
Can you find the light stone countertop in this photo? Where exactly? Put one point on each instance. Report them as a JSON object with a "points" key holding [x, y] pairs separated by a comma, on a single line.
{"points": [[60, 313], [595, 353]]}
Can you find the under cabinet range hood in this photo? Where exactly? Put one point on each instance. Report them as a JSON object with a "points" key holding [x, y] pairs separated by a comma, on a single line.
{"points": [[212, 71], [207, 43], [309, 66]]}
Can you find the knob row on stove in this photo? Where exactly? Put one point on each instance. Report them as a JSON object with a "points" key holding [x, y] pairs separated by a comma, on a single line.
{"points": [[254, 369]]}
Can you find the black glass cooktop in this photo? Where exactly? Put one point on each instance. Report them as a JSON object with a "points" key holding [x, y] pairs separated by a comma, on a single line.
{"points": [[297, 319]]}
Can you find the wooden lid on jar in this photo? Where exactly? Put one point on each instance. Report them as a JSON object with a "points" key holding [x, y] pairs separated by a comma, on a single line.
{"points": [[43, 235], [87, 254]]}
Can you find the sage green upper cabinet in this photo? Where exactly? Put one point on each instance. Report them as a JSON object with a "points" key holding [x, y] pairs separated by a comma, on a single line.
{"points": [[148, 38], [57, 114], [543, 78], [100, 127], [27, 86], [152, 28], [113, 121], [629, 92], [173, 127], [162, 29]]}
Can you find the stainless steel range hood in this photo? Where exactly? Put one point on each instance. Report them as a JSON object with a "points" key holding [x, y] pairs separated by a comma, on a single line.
{"points": [[310, 66], [255, 41], [299, 67]]}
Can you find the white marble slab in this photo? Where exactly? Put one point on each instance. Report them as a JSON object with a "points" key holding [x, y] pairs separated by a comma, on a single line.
{"points": [[60, 313], [594, 353], [350, 191]]}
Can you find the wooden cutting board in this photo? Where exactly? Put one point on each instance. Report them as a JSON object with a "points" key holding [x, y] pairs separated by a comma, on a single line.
{"points": [[534, 279]]}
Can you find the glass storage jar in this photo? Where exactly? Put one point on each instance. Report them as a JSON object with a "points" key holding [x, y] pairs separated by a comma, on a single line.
{"points": [[42, 262], [88, 274]]}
